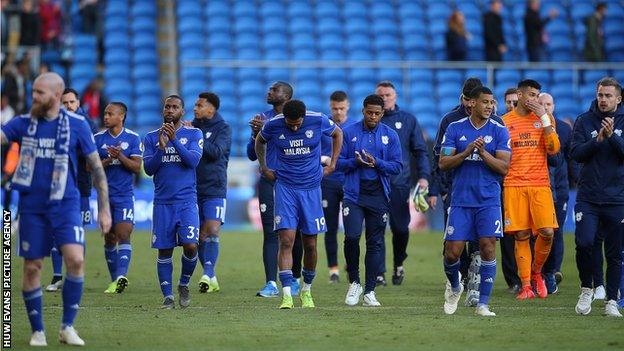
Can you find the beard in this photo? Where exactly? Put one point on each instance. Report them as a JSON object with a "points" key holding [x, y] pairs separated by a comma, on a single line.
{"points": [[40, 109]]}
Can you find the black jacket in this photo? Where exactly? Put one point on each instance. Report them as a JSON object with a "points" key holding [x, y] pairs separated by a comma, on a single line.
{"points": [[601, 180], [212, 169]]}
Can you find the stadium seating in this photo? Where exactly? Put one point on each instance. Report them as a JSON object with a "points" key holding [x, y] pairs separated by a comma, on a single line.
{"points": [[336, 30]]}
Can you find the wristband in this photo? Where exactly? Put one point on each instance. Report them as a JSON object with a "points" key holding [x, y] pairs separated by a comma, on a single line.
{"points": [[545, 120]]}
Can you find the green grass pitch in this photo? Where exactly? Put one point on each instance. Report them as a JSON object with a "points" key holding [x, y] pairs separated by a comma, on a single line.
{"points": [[410, 318]]}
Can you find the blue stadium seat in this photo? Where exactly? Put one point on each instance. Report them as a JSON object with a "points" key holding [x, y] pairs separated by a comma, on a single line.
{"points": [[187, 10], [304, 54], [330, 75], [354, 9], [115, 23], [559, 26], [477, 73], [446, 104], [270, 10], [246, 24], [116, 9], [275, 74], [394, 75], [382, 10], [85, 56], [439, 10], [563, 77], [388, 55], [220, 53], [356, 26], [219, 40], [192, 54], [360, 55], [302, 25], [145, 71], [469, 9], [302, 40], [420, 76], [306, 74], [218, 25], [328, 25], [249, 87], [247, 41], [51, 56], [298, 9], [309, 88], [244, 9], [358, 42], [116, 72], [250, 73], [361, 74], [437, 27], [325, 9], [449, 89], [216, 9], [273, 26], [580, 11], [412, 27], [385, 42], [190, 41], [189, 25], [593, 76], [542, 76], [385, 26], [449, 76], [330, 41], [561, 90], [143, 8], [144, 40], [116, 56], [193, 72], [587, 91], [567, 107], [330, 86], [508, 76]]}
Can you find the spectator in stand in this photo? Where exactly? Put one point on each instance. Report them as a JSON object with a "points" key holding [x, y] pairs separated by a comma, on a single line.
{"points": [[30, 24], [594, 36], [90, 16], [94, 101], [493, 32], [4, 31], [456, 37], [16, 79], [50, 17], [534, 30], [7, 112]]}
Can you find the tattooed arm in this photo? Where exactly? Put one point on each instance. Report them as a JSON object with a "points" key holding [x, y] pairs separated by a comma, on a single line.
{"points": [[101, 186]]}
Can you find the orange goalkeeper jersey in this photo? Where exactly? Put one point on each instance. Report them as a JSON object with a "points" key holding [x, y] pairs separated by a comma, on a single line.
{"points": [[529, 150]]}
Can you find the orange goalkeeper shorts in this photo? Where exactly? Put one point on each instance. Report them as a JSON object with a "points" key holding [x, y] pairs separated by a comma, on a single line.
{"points": [[528, 208]]}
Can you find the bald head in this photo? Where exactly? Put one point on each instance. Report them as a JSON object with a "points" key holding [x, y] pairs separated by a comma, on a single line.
{"points": [[46, 95], [547, 101], [53, 81]]}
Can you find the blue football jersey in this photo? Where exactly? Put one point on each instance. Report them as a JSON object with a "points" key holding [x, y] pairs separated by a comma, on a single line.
{"points": [[477, 185], [80, 143], [174, 179], [119, 177], [298, 162]]}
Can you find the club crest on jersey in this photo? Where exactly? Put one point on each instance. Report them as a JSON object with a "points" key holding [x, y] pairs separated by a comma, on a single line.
{"points": [[450, 230], [618, 132], [309, 133], [537, 125], [398, 125], [208, 134], [200, 142], [578, 216], [384, 218], [124, 145], [384, 139], [183, 141], [25, 245], [324, 202], [345, 211], [488, 139], [262, 208], [594, 133], [278, 219], [141, 147]]}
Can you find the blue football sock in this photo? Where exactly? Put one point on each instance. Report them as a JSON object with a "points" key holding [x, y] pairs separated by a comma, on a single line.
{"points": [[211, 255], [72, 293], [164, 267], [308, 276], [124, 255], [286, 278], [488, 273], [34, 300], [188, 266], [452, 273], [110, 253], [57, 262]]}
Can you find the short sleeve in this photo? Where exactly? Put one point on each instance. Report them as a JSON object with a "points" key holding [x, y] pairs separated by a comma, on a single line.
{"points": [[503, 140], [448, 141], [85, 138], [14, 129], [136, 148], [267, 130], [198, 142], [148, 147], [327, 125]]}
